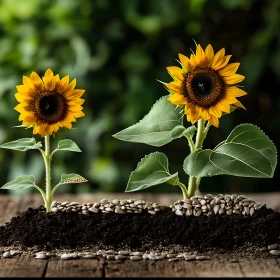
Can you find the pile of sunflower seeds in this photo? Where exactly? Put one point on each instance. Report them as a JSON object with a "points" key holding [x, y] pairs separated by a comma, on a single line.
{"points": [[216, 205], [118, 206], [195, 206]]}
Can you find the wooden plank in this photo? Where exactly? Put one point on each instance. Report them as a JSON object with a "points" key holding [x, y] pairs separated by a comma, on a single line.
{"points": [[23, 266], [75, 268], [260, 268], [164, 268]]}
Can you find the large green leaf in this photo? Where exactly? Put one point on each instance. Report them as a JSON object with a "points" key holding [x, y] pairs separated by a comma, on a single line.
{"points": [[20, 183], [154, 129], [151, 170], [68, 145], [247, 152], [22, 144]]}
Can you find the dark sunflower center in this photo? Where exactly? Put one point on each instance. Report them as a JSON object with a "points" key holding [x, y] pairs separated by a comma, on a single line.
{"points": [[204, 87], [50, 107], [202, 84]]}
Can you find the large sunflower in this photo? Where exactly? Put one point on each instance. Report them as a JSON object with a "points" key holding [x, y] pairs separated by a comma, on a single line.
{"points": [[48, 104], [205, 85]]}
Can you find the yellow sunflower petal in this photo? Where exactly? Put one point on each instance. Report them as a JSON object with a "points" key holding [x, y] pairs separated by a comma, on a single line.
{"points": [[75, 102], [29, 119], [209, 54], [79, 114], [36, 129], [218, 58], [186, 62], [215, 112], [56, 82], [23, 97], [67, 125], [223, 106], [192, 112], [48, 83], [176, 73], [73, 94], [37, 81], [200, 55], [194, 60], [29, 85], [175, 87], [19, 108], [214, 120], [177, 99], [75, 108], [63, 84], [229, 69], [223, 62], [239, 104], [204, 114], [233, 79], [235, 91]]}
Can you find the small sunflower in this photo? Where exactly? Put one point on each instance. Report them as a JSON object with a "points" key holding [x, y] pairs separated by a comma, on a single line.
{"points": [[205, 85], [48, 104]]}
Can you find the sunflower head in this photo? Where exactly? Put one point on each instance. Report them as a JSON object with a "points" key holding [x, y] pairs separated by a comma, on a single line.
{"points": [[205, 85], [49, 103]]}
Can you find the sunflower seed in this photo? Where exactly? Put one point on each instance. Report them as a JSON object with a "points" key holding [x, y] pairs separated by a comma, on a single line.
{"points": [[120, 257], [41, 256], [124, 253], [252, 211], [216, 209], [272, 246], [7, 255], [275, 252], [136, 258], [200, 258], [173, 259], [171, 256], [69, 256]]}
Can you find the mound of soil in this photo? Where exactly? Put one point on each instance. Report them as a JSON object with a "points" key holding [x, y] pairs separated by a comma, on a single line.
{"points": [[143, 231]]}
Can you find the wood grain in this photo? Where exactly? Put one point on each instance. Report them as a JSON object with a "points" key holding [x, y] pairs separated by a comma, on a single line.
{"points": [[23, 266], [75, 268], [163, 268]]}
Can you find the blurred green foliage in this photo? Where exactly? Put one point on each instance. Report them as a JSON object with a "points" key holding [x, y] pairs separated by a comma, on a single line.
{"points": [[117, 49]]}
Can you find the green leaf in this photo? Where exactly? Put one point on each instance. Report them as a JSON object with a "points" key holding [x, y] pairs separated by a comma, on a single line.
{"points": [[68, 145], [71, 178], [151, 170], [20, 183], [154, 129], [179, 131], [23, 144], [247, 152]]}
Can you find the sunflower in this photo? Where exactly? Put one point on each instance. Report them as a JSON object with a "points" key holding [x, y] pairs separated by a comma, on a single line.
{"points": [[49, 103], [205, 85]]}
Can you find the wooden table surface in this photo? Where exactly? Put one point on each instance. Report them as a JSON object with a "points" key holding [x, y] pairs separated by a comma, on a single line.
{"points": [[27, 266]]}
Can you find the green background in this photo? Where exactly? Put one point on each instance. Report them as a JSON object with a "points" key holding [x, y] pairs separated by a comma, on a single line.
{"points": [[117, 49]]}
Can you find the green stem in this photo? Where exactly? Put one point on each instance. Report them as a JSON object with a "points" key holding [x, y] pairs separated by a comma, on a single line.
{"points": [[184, 190], [200, 136], [191, 144], [191, 186], [47, 160], [205, 131]]}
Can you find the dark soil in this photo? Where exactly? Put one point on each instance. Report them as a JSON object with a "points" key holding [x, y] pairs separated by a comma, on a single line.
{"points": [[49, 231]]}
